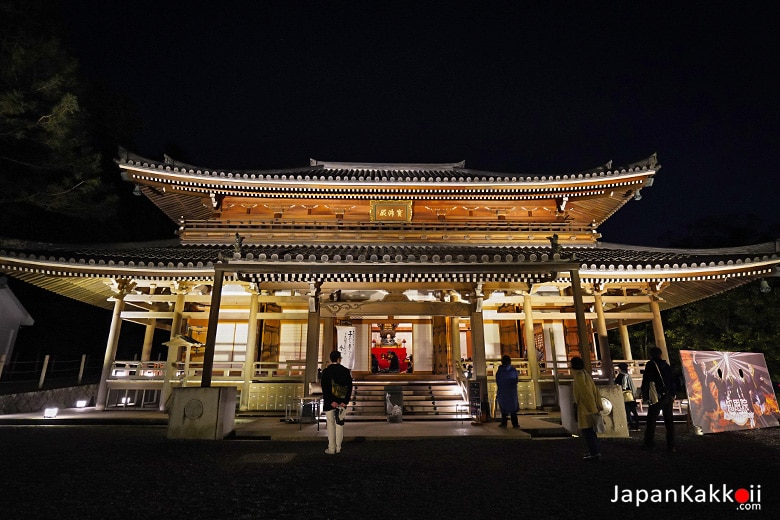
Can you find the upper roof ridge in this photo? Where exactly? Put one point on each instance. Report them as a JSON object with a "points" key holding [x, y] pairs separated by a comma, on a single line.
{"points": [[447, 169], [340, 165]]}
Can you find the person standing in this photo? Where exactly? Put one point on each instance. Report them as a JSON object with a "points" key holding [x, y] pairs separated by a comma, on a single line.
{"points": [[628, 387], [659, 372], [588, 403], [336, 393], [506, 380], [394, 362]]}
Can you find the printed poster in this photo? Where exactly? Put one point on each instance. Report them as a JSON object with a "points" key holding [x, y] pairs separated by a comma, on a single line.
{"points": [[728, 390], [345, 337]]}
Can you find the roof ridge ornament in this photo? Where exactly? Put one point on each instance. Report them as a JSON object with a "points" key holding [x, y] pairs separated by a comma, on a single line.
{"points": [[238, 244], [340, 165], [557, 249]]}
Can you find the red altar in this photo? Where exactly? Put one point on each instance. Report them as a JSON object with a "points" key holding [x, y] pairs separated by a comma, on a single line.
{"points": [[383, 355]]}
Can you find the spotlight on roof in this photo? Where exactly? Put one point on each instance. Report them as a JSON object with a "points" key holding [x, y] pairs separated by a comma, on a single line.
{"points": [[637, 195], [764, 287], [137, 190]]}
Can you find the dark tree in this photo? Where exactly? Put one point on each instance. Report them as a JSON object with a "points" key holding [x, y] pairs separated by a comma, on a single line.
{"points": [[741, 320], [48, 161]]}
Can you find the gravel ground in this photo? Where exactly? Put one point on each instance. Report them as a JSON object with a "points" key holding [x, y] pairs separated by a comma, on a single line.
{"points": [[103, 472]]}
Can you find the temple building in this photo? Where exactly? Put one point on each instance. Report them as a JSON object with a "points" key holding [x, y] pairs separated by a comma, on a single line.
{"points": [[421, 274]]}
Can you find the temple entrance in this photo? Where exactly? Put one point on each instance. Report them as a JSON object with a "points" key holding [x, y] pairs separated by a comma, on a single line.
{"points": [[400, 339], [392, 348]]}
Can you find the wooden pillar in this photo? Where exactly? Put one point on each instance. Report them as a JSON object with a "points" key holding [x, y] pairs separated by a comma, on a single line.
{"points": [[187, 358], [625, 340], [601, 325], [478, 338], [658, 328], [251, 352], [328, 345], [173, 352], [455, 342], [579, 309], [312, 337], [530, 346], [211, 332], [146, 350], [478, 353], [440, 343], [111, 345]]}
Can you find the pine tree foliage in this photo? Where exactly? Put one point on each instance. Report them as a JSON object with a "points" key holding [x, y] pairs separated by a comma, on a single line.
{"points": [[47, 160], [741, 320]]}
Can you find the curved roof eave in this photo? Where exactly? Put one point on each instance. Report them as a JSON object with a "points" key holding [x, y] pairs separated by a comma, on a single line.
{"points": [[192, 262], [166, 255], [356, 175]]}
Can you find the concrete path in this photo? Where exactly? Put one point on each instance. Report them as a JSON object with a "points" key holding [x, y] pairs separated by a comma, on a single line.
{"points": [[275, 428]]}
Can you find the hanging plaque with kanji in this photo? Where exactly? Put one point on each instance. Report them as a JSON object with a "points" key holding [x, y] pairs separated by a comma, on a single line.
{"points": [[391, 210]]}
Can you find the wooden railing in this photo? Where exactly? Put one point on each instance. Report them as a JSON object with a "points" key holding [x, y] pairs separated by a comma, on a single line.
{"points": [[294, 369], [191, 372], [548, 370]]}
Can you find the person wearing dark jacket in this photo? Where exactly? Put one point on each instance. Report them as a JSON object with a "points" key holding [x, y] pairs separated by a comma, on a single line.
{"points": [[659, 372], [506, 381], [395, 363], [336, 393]]}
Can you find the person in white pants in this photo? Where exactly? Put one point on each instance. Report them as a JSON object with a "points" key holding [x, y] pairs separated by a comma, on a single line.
{"points": [[336, 392]]}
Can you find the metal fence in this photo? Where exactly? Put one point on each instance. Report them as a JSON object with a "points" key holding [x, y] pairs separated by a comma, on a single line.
{"points": [[48, 372]]}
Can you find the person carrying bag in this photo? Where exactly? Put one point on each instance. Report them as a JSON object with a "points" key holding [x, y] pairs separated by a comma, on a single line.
{"points": [[588, 405], [626, 384], [658, 389]]}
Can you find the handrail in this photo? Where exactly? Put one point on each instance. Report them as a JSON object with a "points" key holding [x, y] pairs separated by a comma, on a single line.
{"points": [[462, 380], [547, 368], [294, 369], [187, 372]]}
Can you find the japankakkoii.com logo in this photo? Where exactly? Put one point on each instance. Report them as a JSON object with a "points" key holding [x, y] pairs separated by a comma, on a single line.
{"points": [[745, 499]]}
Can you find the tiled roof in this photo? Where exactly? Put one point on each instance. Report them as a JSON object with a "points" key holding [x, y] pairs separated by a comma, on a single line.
{"points": [[187, 193], [81, 272], [173, 255], [371, 173]]}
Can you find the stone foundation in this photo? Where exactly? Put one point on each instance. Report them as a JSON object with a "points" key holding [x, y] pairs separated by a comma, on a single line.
{"points": [[28, 402]]}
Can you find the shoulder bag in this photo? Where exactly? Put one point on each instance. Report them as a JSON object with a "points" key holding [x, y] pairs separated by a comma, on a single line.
{"points": [[628, 394], [654, 395], [598, 423]]}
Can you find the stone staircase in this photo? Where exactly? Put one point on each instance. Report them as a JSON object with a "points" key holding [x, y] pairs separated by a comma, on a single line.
{"points": [[423, 399]]}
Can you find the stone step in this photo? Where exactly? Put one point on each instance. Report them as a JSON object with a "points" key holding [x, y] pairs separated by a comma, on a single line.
{"points": [[410, 394], [358, 405], [422, 398], [410, 417]]}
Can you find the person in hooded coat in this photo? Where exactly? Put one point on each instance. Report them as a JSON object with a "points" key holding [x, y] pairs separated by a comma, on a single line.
{"points": [[588, 402], [506, 380]]}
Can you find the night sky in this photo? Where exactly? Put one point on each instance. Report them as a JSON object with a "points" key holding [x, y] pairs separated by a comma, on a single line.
{"points": [[514, 87], [519, 87]]}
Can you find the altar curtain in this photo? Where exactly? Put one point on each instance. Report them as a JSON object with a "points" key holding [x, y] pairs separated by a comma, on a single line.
{"points": [[384, 362], [345, 336]]}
